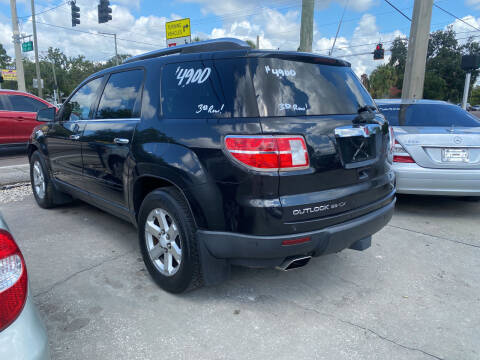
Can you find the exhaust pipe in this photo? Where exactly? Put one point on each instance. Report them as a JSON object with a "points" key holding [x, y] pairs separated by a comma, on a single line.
{"points": [[294, 263]]}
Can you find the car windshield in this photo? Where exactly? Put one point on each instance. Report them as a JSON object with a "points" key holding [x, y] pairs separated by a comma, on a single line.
{"points": [[428, 115]]}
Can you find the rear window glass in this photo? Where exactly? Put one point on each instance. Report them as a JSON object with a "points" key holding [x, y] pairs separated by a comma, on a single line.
{"points": [[259, 87], [208, 89], [428, 115], [293, 88], [25, 103]]}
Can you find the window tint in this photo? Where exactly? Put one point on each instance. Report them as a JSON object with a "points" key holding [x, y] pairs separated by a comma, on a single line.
{"points": [[428, 115], [259, 87], [3, 103], [208, 89], [78, 107], [120, 96], [295, 88], [24, 103]]}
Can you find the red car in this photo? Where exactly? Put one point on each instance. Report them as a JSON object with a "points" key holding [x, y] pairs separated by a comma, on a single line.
{"points": [[18, 111]]}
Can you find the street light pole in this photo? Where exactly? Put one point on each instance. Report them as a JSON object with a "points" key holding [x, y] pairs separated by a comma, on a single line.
{"points": [[35, 47], [18, 50]]}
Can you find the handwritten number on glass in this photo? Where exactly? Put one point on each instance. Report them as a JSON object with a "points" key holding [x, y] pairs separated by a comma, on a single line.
{"points": [[191, 76]]}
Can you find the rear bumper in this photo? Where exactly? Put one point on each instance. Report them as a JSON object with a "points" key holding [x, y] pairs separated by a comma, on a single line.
{"points": [[266, 251], [26, 337], [414, 179]]}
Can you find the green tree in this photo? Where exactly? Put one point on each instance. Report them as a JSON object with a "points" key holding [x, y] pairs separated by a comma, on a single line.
{"points": [[4, 58], [475, 96], [444, 77], [251, 43], [382, 79]]}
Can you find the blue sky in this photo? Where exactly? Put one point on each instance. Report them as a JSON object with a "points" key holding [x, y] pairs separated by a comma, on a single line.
{"points": [[140, 24]]}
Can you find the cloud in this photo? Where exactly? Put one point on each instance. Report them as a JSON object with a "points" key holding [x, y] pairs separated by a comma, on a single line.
{"points": [[357, 49], [473, 3]]}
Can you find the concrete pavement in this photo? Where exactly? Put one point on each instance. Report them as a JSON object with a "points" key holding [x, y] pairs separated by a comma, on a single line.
{"points": [[14, 166], [414, 295]]}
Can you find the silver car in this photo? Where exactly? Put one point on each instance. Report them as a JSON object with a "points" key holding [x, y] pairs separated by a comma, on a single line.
{"points": [[22, 333], [437, 147]]}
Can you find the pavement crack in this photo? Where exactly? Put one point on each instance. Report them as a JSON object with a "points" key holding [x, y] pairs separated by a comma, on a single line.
{"points": [[50, 288], [434, 236], [364, 328]]}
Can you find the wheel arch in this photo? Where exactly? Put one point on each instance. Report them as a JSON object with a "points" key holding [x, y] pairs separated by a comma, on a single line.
{"points": [[145, 184]]}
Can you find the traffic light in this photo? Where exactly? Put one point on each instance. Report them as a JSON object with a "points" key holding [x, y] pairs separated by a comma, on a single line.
{"points": [[104, 11], [379, 52], [75, 14]]}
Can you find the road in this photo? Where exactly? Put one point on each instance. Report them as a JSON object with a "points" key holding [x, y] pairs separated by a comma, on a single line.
{"points": [[14, 166], [414, 294]]}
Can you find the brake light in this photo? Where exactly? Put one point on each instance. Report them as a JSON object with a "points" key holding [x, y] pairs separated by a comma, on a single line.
{"points": [[13, 280], [400, 155], [269, 153]]}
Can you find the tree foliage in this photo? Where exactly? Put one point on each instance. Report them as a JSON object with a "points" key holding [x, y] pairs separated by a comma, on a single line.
{"points": [[69, 71], [444, 77]]}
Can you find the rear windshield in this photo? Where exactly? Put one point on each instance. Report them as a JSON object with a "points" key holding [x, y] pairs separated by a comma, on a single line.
{"points": [[263, 87], [428, 115]]}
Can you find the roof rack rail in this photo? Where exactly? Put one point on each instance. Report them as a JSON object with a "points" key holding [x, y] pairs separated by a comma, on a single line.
{"points": [[201, 46]]}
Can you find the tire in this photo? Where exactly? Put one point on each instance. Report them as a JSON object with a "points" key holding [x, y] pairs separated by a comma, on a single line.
{"points": [[166, 232], [42, 185]]}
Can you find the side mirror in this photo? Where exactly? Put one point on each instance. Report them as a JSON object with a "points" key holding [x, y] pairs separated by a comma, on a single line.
{"points": [[47, 114]]}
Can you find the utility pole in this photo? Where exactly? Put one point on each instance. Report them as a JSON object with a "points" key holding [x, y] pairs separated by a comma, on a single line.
{"points": [[18, 51], [466, 88], [258, 42], [55, 90], [414, 76], [116, 52], [306, 27], [35, 47]]}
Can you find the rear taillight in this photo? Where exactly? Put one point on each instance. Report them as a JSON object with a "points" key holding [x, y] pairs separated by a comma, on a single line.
{"points": [[269, 153], [400, 155], [13, 280]]}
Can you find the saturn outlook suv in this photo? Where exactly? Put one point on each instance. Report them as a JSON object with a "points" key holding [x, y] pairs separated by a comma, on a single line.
{"points": [[222, 155]]}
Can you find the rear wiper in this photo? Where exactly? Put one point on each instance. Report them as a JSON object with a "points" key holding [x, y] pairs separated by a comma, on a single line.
{"points": [[365, 114]]}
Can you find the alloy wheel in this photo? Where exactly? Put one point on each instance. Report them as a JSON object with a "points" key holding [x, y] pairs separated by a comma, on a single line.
{"points": [[163, 242]]}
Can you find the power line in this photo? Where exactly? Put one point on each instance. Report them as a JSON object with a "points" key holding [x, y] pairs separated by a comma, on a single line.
{"points": [[46, 10], [400, 11], [456, 17], [93, 33]]}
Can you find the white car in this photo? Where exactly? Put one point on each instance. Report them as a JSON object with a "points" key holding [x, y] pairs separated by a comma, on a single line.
{"points": [[437, 147], [22, 333]]}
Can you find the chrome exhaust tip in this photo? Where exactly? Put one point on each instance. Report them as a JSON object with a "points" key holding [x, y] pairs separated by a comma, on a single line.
{"points": [[293, 263]]}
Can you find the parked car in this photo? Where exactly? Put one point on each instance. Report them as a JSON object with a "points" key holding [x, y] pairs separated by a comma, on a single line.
{"points": [[437, 147], [18, 111], [22, 333], [222, 155]]}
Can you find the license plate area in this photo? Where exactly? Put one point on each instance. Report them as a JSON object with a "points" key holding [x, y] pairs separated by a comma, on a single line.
{"points": [[455, 155]]}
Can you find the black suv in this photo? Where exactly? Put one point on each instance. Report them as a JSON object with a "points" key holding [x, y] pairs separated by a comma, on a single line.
{"points": [[222, 155]]}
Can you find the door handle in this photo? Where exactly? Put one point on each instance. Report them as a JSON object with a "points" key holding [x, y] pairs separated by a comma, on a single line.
{"points": [[74, 137], [121, 141]]}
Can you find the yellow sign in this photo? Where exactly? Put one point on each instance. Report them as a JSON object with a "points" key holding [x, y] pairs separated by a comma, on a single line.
{"points": [[9, 75], [177, 28]]}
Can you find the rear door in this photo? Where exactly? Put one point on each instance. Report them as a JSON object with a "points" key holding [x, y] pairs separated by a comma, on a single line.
{"points": [[106, 140], [320, 101], [24, 116], [6, 121], [437, 135]]}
